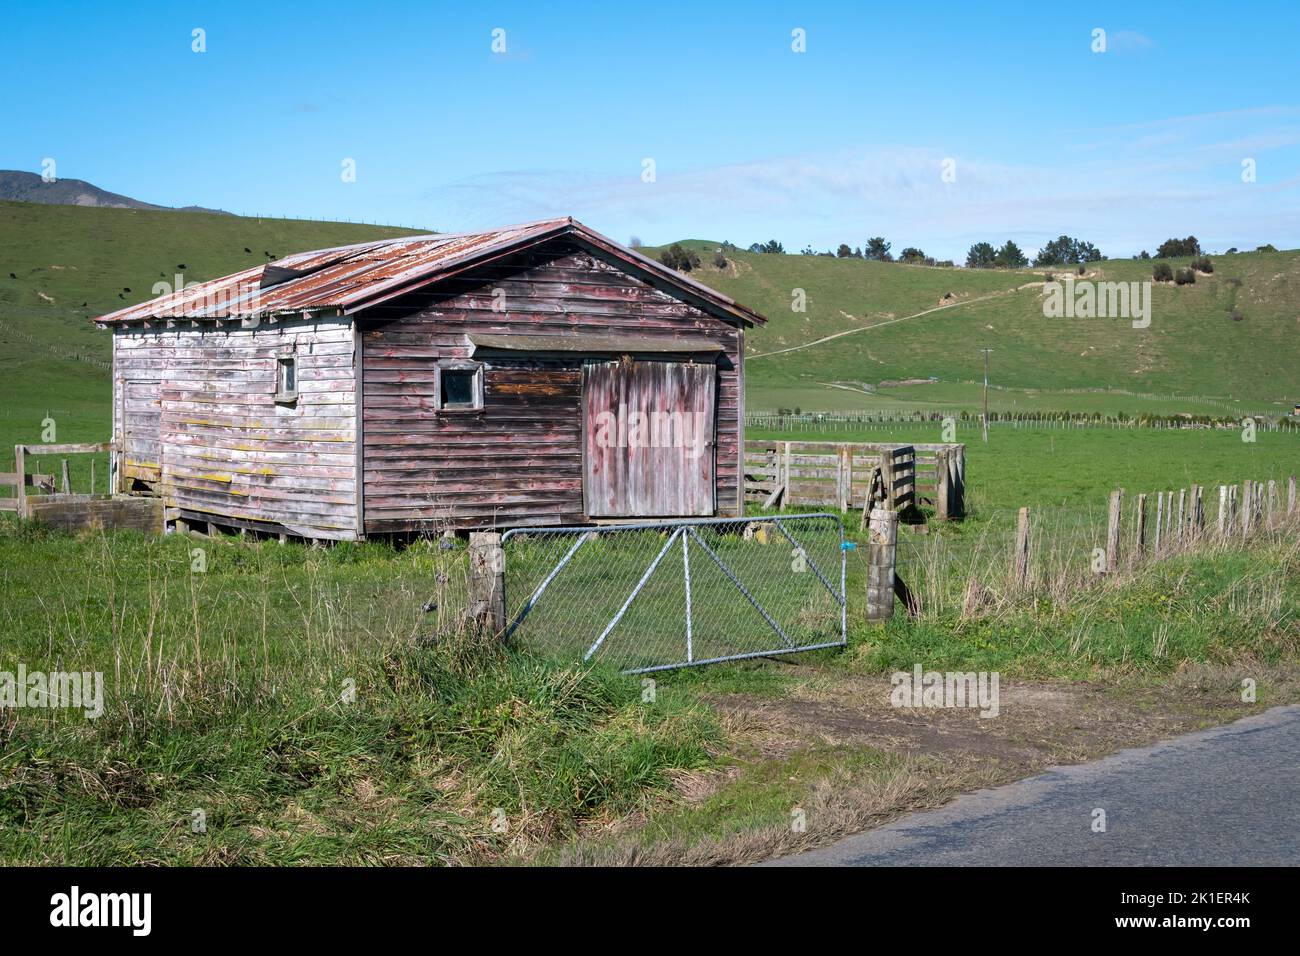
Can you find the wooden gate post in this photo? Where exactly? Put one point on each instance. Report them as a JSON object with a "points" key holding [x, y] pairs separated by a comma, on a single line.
{"points": [[1112, 530], [487, 573], [880, 564]]}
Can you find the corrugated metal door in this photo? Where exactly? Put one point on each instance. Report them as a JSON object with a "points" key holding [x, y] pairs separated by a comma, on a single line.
{"points": [[649, 439]]}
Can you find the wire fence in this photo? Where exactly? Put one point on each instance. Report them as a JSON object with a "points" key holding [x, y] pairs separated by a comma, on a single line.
{"points": [[1272, 421], [654, 596], [951, 573]]}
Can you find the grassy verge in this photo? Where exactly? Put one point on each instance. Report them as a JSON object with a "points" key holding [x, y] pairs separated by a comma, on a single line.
{"points": [[287, 700]]}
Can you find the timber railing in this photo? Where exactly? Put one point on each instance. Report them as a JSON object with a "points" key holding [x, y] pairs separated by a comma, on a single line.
{"points": [[55, 504], [46, 487], [854, 475]]}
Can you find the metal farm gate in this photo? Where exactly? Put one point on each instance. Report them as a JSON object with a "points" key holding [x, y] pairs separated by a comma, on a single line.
{"points": [[659, 595]]}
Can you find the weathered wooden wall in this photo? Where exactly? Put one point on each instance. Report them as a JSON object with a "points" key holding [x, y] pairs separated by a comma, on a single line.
{"points": [[227, 450], [517, 461]]}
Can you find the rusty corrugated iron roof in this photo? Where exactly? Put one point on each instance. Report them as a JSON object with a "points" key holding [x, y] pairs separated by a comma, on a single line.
{"points": [[347, 279]]}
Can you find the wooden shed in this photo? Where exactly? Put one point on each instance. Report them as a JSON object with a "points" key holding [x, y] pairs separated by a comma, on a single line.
{"points": [[533, 375]]}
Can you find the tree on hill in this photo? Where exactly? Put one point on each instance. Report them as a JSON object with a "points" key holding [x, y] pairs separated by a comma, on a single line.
{"points": [[683, 260], [878, 249], [770, 246], [1177, 248], [1010, 257], [1065, 250], [844, 252], [982, 255], [914, 256]]}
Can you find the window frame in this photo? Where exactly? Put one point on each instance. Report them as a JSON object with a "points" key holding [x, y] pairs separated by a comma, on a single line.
{"points": [[476, 386], [286, 396]]}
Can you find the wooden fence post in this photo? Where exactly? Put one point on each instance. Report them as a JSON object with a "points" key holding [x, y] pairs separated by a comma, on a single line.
{"points": [[942, 485], [1179, 530], [1141, 525], [1022, 548], [65, 482], [1290, 495], [844, 476], [785, 473], [20, 468], [887, 476], [960, 481], [1270, 505], [1160, 517], [487, 571], [1247, 508], [1222, 527], [880, 564], [1112, 530]]}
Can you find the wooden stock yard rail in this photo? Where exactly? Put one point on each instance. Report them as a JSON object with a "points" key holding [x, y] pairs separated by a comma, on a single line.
{"points": [[59, 507], [853, 475]]}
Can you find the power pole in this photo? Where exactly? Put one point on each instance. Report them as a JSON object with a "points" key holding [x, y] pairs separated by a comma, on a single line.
{"points": [[984, 419]]}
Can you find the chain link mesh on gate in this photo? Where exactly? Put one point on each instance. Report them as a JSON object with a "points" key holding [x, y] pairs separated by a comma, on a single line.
{"points": [[659, 595]]}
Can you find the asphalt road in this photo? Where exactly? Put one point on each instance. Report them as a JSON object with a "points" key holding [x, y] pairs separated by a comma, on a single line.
{"points": [[1228, 796]]}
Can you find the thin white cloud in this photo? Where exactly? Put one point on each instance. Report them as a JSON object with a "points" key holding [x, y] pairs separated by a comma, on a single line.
{"points": [[1115, 196]]}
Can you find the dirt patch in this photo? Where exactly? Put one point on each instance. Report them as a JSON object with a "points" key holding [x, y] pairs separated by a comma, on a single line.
{"points": [[933, 753], [1036, 724]]}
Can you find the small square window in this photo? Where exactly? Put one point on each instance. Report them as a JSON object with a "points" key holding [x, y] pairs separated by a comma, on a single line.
{"points": [[286, 379], [460, 387]]}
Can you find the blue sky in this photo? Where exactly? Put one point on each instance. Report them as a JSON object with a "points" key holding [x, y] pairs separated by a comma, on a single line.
{"points": [[750, 140]]}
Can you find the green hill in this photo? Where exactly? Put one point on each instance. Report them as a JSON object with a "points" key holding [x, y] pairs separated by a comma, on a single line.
{"points": [[1193, 357], [60, 266]]}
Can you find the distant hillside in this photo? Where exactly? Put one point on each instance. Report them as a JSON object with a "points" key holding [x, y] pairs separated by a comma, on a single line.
{"points": [[19, 186], [1193, 347]]}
